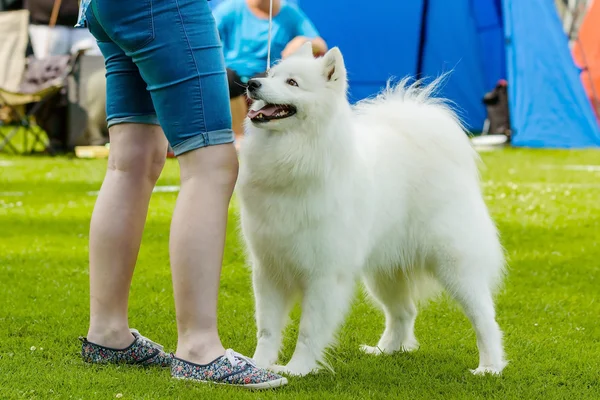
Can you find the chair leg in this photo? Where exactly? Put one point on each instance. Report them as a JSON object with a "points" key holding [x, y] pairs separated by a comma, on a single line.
{"points": [[25, 136], [28, 129], [6, 140], [26, 120], [25, 123], [37, 138]]}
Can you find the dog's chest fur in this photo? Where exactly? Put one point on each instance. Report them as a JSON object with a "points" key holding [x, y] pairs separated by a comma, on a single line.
{"points": [[298, 218]]}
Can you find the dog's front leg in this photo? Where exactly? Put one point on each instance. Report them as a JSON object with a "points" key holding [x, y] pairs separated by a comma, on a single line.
{"points": [[324, 306], [273, 300]]}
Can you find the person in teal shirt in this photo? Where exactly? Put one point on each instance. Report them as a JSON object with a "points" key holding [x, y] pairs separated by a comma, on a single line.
{"points": [[244, 28]]}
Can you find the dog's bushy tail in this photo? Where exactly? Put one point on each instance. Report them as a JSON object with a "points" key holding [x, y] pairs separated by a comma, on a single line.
{"points": [[413, 90], [418, 92]]}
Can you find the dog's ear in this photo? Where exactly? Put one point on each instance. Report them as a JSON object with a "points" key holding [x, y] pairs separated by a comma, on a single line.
{"points": [[334, 69], [306, 50]]}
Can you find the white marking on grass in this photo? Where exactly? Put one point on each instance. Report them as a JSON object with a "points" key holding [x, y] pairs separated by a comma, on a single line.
{"points": [[11, 194], [166, 189], [157, 189], [4, 163], [541, 185], [487, 149], [575, 167]]}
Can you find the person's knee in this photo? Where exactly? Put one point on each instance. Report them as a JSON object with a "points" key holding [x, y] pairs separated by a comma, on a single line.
{"points": [[138, 150], [143, 162], [218, 164]]}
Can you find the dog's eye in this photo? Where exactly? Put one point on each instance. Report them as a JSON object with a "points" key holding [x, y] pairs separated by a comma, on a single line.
{"points": [[292, 82]]}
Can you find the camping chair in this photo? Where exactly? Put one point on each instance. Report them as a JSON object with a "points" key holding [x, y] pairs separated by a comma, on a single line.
{"points": [[20, 100]]}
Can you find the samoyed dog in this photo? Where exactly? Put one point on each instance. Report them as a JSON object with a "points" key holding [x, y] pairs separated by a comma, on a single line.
{"points": [[387, 191]]}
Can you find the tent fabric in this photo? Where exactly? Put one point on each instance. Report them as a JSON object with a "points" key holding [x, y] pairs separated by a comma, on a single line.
{"points": [[453, 44], [480, 42], [379, 42], [586, 53], [548, 102]]}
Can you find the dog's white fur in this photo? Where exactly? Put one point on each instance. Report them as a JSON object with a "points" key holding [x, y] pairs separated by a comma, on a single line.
{"points": [[387, 190]]}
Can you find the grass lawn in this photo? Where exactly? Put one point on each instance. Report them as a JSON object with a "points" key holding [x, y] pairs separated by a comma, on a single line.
{"points": [[547, 207]]}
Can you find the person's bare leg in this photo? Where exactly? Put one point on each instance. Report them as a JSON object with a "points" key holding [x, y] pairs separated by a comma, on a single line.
{"points": [[197, 242], [239, 109], [137, 156]]}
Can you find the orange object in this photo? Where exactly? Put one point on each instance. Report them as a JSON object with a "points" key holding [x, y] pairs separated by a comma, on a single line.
{"points": [[586, 54]]}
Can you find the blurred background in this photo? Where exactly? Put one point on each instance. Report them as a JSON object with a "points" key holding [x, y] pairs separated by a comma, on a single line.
{"points": [[524, 76], [524, 73]]}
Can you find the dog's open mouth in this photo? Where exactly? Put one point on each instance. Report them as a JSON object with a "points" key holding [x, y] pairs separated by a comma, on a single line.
{"points": [[271, 111]]}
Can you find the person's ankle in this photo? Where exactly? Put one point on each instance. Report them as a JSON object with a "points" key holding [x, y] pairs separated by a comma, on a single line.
{"points": [[200, 348], [110, 336]]}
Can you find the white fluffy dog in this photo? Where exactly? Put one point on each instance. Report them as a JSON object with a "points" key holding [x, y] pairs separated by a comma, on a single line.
{"points": [[387, 190]]}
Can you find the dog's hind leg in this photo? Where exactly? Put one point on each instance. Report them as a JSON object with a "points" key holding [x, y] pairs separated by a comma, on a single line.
{"points": [[273, 301], [466, 280], [324, 306], [393, 293]]}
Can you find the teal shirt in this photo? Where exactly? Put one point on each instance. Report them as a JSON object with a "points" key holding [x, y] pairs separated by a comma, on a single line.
{"points": [[244, 35]]}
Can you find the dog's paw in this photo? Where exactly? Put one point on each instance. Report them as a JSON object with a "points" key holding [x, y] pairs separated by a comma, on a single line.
{"points": [[263, 362], [266, 354], [371, 350], [291, 370], [408, 346], [480, 371]]}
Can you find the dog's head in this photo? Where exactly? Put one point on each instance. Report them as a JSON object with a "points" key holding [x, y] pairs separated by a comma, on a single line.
{"points": [[298, 89]]}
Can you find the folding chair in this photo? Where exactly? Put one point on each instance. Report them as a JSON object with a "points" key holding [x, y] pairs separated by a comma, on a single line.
{"points": [[19, 102]]}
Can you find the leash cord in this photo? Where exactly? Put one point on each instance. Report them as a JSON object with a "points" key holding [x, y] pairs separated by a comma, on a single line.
{"points": [[269, 38]]}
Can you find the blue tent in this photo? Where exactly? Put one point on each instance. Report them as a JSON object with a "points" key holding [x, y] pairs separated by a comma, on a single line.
{"points": [[481, 41]]}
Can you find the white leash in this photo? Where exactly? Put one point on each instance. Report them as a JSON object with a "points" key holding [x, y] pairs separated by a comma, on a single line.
{"points": [[269, 39]]}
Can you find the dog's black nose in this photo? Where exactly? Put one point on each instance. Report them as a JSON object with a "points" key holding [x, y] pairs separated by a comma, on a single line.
{"points": [[253, 85]]}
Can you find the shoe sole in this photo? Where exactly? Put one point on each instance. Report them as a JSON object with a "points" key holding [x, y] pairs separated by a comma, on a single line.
{"points": [[250, 386]]}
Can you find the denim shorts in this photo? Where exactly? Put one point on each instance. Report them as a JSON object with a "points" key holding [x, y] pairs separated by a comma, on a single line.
{"points": [[164, 66]]}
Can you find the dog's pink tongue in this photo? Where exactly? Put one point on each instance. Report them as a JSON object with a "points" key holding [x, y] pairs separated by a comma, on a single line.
{"points": [[268, 111]]}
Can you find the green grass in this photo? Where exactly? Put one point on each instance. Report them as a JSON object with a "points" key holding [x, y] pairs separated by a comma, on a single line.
{"points": [[549, 217]]}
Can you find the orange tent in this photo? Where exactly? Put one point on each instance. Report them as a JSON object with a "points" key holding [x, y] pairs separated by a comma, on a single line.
{"points": [[586, 54]]}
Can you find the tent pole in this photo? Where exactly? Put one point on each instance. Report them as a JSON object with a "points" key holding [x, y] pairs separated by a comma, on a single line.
{"points": [[422, 40]]}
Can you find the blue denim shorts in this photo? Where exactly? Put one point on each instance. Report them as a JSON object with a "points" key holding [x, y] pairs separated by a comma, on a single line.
{"points": [[164, 66]]}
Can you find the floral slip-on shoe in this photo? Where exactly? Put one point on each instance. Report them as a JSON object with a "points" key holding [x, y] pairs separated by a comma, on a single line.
{"points": [[230, 369], [142, 351]]}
